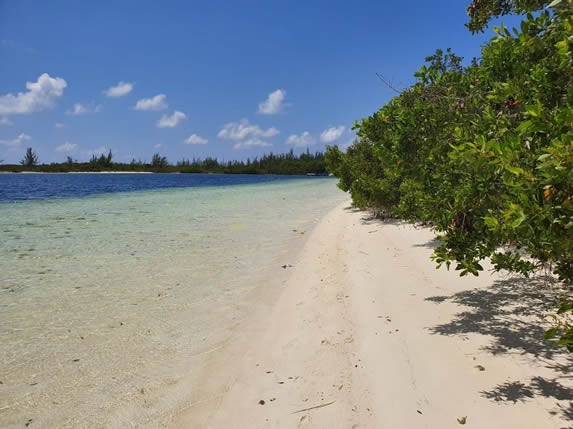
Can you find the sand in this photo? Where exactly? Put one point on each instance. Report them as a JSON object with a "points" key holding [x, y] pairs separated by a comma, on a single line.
{"points": [[366, 333]]}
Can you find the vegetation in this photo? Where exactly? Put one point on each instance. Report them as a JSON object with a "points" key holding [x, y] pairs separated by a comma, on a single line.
{"points": [[288, 163], [481, 11], [30, 158], [104, 161], [483, 152], [158, 161]]}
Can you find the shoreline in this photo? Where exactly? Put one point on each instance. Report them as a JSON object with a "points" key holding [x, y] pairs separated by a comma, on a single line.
{"points": [[110, 323], [367, 333], [167, 172], [76, 172]]}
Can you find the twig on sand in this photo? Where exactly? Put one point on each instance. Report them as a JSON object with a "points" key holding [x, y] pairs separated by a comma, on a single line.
{"points": [[316, 406]]}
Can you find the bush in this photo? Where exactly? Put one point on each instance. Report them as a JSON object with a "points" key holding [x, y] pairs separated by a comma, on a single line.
{"points": [[483, 152]]}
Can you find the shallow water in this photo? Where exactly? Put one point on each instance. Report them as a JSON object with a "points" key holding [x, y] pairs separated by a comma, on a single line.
{"points": [[107, 301]]}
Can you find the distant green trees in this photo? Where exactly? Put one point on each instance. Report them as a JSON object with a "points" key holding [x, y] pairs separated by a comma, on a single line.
{"points": [[103, 161], [30, 158], [482, 152], [158, 161], [286, 163]]}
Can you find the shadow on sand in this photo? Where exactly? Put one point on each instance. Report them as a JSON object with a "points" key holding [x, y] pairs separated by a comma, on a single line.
{"points": [[375, 218], [509, 313]]}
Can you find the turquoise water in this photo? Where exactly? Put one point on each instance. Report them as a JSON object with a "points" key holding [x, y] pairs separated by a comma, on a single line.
{"points": [[107, 302]]}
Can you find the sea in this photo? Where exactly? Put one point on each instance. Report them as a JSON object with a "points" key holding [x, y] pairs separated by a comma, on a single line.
{"points": [[114, 287]]}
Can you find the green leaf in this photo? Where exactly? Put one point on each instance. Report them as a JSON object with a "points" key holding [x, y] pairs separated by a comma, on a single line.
{"points": [[551, 333], [533, 111], [515, 170], [514, 216], [565, 307], [525, 126], [491, 222]]}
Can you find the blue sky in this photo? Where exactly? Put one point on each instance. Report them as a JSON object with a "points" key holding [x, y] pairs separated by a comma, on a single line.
{"points": [[229, 79]]}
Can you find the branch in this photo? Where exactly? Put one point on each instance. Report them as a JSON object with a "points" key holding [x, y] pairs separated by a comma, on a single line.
{"points": [[388, 84]]}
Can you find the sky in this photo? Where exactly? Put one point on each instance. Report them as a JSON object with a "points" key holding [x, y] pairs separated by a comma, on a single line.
{"points": [[225, 79]]}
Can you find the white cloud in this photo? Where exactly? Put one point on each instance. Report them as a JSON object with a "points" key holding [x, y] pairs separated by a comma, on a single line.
{"points": [[332, 134], [17, 141], [79, 109], [157, 146], [67, 147], [251, 143], [243, 129], [303, 140], [273, 104], [83, 109], [171, 121], [154, 103], [119, 90], [196, 139], [5, 121], [40, 95], [59, 125]]}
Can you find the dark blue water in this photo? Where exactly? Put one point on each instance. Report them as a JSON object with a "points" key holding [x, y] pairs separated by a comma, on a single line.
{"points": [[20, 187]]}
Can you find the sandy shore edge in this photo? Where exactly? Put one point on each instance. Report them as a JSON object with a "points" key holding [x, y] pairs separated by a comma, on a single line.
{"points": [[367, 334]]}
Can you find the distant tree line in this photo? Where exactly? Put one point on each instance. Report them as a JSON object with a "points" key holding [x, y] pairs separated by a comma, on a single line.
{"points": [[286, 163]]}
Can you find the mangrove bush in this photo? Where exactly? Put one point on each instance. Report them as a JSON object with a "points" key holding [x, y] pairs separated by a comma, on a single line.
{"points": [[482, 152]]}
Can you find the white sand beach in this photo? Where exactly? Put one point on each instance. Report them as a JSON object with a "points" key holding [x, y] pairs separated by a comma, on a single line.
{"points": [[366, 333]]}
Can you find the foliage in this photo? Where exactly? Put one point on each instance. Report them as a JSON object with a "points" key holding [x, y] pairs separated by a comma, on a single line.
{"points": [[287, 163], [482, 152], [103, 161], [30, 158], [481, 11], [562, 332], [158, 161]]}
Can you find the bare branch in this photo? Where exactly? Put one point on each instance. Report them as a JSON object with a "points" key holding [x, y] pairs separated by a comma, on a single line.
{"points": [[388, 84]]}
